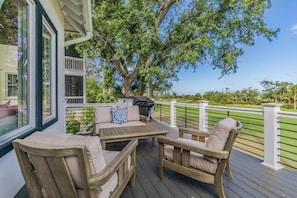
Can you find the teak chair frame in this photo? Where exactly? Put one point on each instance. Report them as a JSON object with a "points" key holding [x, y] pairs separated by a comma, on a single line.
{"points": [[45, 169], [181, 157]]}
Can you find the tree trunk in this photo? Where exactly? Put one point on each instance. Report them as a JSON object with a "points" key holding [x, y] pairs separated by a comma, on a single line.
{"points": [[127, 85], [127, 89], [151, 89], [295, 101], [103, 75], [141, 91]]}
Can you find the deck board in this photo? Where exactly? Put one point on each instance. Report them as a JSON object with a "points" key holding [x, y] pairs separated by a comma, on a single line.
{"points": [[251, 179]]}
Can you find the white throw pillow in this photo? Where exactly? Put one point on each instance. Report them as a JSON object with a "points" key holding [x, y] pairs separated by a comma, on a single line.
{"points": [[119, 115]]}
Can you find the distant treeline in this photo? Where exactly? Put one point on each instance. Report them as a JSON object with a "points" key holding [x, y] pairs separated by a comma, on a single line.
{"points": [[273, 91]]}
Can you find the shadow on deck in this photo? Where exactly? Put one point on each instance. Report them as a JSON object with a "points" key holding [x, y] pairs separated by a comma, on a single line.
{"points": [[251, 179]]}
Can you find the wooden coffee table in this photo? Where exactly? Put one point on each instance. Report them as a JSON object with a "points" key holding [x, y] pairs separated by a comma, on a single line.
{"points": [[119, 134]]}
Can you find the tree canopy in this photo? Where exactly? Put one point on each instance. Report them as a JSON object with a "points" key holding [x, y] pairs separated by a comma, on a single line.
{"points": [[9, 22], [145, 43]]}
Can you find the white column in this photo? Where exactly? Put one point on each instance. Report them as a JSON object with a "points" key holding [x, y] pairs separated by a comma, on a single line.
{"points": [[65, 120], [172, 113], [203, 115], [271, 136], [84, 80]]}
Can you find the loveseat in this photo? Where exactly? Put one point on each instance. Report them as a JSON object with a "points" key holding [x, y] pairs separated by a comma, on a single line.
{"points": [[119, 116]]}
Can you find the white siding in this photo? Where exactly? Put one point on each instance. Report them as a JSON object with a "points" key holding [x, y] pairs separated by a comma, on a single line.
{"points": [[57, 19]]}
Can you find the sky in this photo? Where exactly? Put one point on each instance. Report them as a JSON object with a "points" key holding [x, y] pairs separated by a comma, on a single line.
{"points": [[273, 61]]}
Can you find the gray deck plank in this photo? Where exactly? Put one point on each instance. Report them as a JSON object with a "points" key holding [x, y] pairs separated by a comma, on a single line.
{"points": [[176, 186], [263, 179], [152, 167]]}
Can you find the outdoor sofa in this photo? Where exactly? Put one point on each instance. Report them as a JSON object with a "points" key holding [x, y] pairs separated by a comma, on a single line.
{"points": [[117, 116]]}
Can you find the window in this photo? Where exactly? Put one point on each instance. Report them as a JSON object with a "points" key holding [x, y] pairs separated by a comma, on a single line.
{"points": [[11, 85], [74, 85], [28, 64], [14, 68], [48, 71]]}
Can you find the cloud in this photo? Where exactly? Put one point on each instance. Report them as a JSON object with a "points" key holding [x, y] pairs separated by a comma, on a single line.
{"points": [[294, 29], [291, 73]]}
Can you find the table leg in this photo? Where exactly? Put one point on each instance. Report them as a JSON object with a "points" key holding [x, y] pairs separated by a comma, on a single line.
{"points": [[103, 144], [153, 140]]}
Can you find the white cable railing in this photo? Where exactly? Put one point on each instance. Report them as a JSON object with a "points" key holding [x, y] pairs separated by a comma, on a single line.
{"points": [[266, 134]]}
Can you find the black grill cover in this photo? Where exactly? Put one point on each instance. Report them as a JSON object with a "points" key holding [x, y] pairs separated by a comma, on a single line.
{"points": [[144, 103]]}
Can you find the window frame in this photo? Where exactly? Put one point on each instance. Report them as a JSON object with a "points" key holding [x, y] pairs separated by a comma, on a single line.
{"points": [[53, 70], [7, 74], [40, 122], [36, 14], [77, 79], [5, 142]]}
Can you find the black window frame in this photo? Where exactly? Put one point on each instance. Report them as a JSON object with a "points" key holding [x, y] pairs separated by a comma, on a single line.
{"points": [[40, 125]]}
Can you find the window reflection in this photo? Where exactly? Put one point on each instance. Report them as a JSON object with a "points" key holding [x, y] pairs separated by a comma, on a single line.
{"points": [[13, 65], [46, 73], [47, 69]]}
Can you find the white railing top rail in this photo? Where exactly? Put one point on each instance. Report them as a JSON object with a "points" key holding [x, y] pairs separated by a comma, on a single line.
{"points": [[80, 105], [236, 109], [187, 105], [160, 102], [223, 108], [287, 114]]}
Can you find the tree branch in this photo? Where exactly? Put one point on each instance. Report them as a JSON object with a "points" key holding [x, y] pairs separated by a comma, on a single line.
{"points": [[163, 11]]}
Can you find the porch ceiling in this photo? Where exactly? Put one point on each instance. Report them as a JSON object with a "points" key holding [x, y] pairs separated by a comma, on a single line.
{"points": [[77, 15]]}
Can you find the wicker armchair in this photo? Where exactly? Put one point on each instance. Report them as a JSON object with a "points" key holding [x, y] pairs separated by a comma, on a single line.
{"points": [[198, 159], [74, 166]]}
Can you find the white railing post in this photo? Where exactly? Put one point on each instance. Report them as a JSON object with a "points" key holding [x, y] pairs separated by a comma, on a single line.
{"points": [[172, 113], [125, 101], [271, 136], [203, 116], [129, 102], [152, 110]]}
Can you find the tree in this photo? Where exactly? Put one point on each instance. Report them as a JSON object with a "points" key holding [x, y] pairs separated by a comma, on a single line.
{"points": [[275, 90], [93, 90], [293, 89], [147, 42], [282, 89], [250, 95], [269, 89], [9, 22]]}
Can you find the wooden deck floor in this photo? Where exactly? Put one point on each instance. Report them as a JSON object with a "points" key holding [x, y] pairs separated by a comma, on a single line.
{"points": [[251, 179]]}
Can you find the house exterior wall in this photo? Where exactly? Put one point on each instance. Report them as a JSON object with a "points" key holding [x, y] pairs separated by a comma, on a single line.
{"points": [[9, 65], [10, 174]]}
